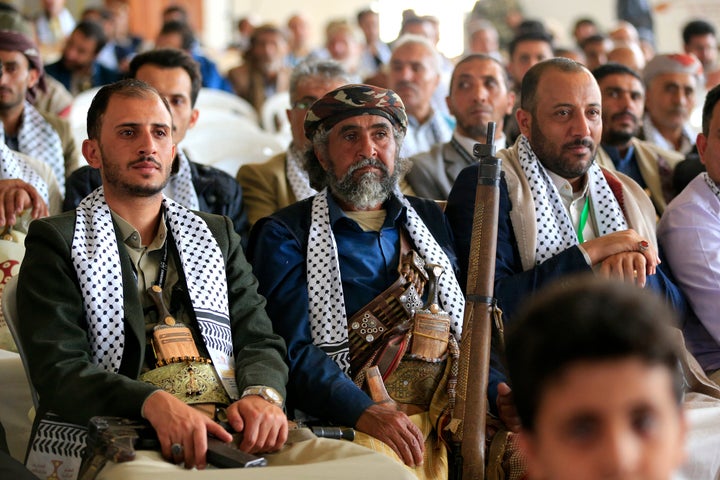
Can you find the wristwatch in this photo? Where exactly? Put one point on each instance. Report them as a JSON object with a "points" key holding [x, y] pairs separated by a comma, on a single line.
{"points": [[268, 393]]}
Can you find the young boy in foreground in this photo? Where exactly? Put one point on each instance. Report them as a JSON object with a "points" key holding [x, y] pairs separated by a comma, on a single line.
{"points": [[597, 384]]}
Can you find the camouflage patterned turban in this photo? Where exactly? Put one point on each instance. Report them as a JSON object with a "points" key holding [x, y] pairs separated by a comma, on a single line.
{"points": [[353, 100]]}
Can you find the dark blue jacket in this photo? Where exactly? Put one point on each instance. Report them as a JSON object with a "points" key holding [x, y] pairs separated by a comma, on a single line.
{"points": [[368, 265]]}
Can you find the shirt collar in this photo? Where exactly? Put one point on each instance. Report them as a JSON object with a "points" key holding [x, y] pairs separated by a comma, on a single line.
{"points": [[565, 189], [131, 236], [395, 211], [469, 143], [614, 153]]}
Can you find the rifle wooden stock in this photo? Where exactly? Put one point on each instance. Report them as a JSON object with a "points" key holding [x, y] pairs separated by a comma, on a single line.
{"points": [[471, 404]]}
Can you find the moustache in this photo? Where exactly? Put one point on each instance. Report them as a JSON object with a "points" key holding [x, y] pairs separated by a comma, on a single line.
{"points": [[585, 142], [367, 162], [145, 159], [624, 114], [405, 84]]}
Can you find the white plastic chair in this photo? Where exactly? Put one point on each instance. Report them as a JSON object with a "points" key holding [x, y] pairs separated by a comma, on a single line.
{"points": [[210, 98], [78, 115], [214, 145], [273, 117], [9, 309]]}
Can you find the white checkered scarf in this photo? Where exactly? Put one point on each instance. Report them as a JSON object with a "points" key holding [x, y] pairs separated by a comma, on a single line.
{"points": [[555, 227], [180, 186], [711, 183], [38, 139], [12, 166], [297, 176], [96, 259], [328, 319]]}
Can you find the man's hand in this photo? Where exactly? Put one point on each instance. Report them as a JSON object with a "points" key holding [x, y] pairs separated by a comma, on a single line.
{"points": [[598, 249], [264, 426], [177, 423], [16, 196], [506, 408], [629, 267], [396, 430]]}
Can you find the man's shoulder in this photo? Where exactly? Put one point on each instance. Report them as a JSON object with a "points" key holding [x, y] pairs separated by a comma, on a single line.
{"points": [[643, 147], [432, 157], [272, 167], [60, 125], [221, 183], [697, 195], [63, 223], [421, 204], [296, 213]]}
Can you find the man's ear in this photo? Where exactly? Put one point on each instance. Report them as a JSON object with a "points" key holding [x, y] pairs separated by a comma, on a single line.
{"points": [[91, 152], [511, 103], [701, 143], [33, 77], [321, 158], [193, 118], [524, 120]]}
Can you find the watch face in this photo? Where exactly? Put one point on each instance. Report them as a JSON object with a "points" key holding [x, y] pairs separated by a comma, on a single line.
{"points": [[272, 395]]}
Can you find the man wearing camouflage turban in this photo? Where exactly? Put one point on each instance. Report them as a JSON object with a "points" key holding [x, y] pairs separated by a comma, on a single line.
{"points": [[334, 266]]}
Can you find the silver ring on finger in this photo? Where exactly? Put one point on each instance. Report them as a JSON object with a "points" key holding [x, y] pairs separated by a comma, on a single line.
{"points": [[176, 449]]}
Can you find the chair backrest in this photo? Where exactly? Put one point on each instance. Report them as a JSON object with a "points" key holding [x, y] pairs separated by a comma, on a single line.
{"points": [[9, 308]]}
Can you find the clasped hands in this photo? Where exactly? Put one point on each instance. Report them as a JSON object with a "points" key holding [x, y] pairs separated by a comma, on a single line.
{"points": [[623, 255]]}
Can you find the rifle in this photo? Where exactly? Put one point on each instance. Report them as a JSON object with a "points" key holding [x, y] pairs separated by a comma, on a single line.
{"points": [[469, 414], [116, 439]]}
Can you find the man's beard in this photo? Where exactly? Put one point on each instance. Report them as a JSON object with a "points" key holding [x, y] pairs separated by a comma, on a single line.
{"points": [[112, 177], [475, 131], [618, 137], [553, 157], [367, 191]]}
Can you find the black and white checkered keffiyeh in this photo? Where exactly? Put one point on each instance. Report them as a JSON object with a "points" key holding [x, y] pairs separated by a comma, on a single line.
{"points": [[39, 140], [556, 232], [297, 176], [328, 319], [12, 166], [180, 186], [710, 183], [96, 259]]}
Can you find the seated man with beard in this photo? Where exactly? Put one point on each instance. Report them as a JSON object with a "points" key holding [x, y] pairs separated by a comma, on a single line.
{"points": [[343, 275]]}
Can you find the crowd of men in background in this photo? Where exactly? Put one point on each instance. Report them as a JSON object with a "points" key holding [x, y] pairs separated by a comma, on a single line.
{"points": [[601, 141]]}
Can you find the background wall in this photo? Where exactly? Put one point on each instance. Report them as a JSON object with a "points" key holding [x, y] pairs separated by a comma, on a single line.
{"points": [[219, 15]]}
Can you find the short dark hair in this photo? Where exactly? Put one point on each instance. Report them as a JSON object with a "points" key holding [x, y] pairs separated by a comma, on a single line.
{"points": [[183, 29], [485, 57], [596, 38], [170, 58], [586, 319], [696, 28], [532, 25], [92, 30], [584, 21], [178, 10], [528, 88], [711, 99], [529, 36], [365, 11], [128, 88], [613, 68]]}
